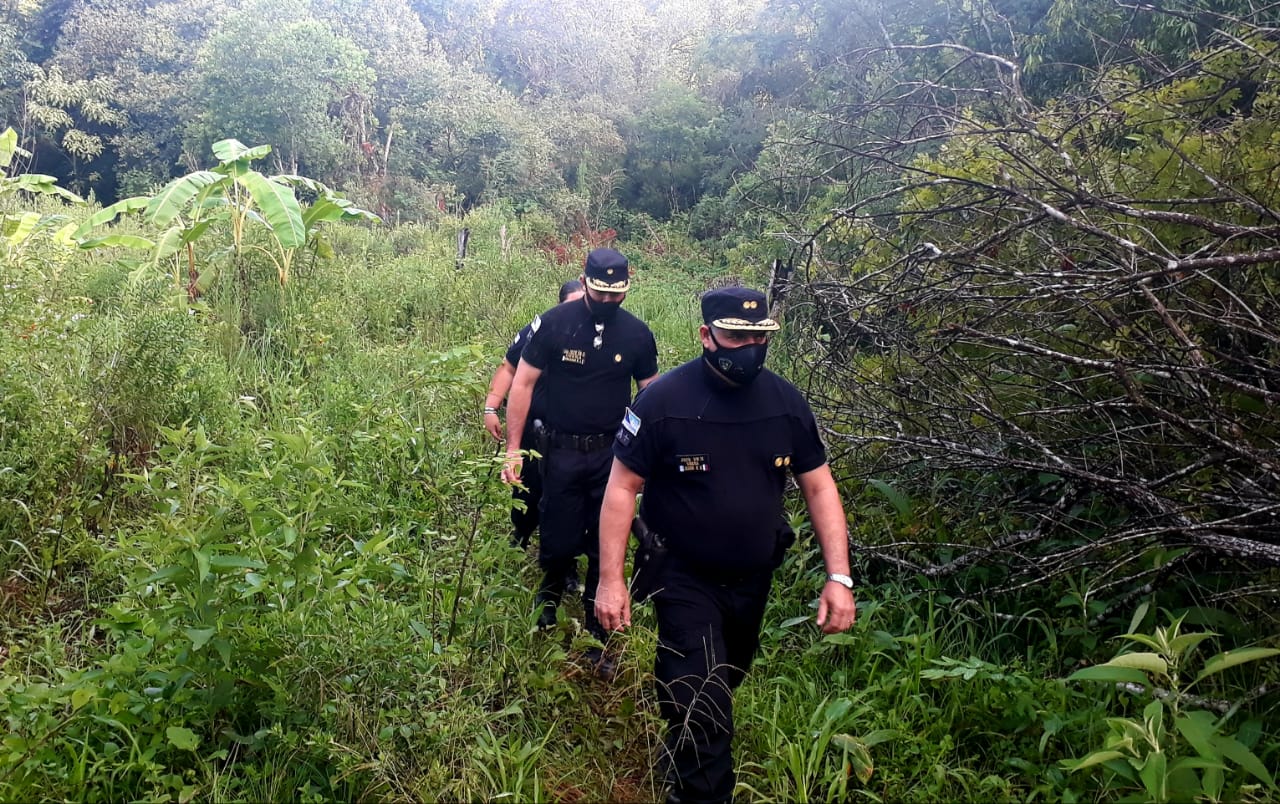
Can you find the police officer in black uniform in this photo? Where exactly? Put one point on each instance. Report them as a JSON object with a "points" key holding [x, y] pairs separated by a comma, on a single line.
{"points": [[524, 518], [711, 443], [585, 355]]}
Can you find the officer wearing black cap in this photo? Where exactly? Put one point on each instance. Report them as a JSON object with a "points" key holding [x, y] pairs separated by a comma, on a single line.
{"points": [[585, 356], [711, 443], [524, 518]]}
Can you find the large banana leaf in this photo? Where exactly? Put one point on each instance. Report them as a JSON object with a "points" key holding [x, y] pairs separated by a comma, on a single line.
{"points": [[233, 150], [169, 202], [121, 240], [17, 228], [45, 185], [8, 147], [279, 206], [332, 208], [108, 214]]}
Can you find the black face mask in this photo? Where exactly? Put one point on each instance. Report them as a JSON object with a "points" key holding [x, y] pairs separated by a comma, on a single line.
{"points": [[602, 311], [740, 365]]}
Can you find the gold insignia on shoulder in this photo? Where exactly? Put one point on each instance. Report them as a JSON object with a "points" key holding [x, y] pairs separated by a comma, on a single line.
{"points": [[617, 358], [777, 462], [609, 271], [786, 461], [746, 305]]}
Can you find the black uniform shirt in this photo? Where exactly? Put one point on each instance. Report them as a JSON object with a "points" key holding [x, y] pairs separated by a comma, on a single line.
{"points": [[715, 459], [513, 357], [587, 387]]}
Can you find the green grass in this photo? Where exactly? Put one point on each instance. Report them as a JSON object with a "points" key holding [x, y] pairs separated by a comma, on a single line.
{"points": [[258, 551]]}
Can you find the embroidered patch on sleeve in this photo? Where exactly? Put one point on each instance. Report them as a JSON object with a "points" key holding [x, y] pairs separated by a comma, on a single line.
{"points": [[537, 322], [631, 422]]}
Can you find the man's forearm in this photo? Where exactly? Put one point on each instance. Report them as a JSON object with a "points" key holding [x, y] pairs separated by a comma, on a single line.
{"points": [[518, 401], [827, 515], [616, 513]]}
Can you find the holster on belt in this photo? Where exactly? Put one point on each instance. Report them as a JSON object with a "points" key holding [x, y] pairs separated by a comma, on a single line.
{"points": [[646, 567], [540, 437]]}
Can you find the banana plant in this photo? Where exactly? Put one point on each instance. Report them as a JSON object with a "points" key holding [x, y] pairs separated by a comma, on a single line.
{"points": [[16, 228], [239, 196]]}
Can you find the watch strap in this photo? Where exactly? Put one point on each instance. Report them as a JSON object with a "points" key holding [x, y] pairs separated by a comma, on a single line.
{"points": [[842, 579]]}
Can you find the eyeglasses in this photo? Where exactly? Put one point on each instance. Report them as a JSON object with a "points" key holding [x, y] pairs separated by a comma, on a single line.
{"points": [[599, 339]]}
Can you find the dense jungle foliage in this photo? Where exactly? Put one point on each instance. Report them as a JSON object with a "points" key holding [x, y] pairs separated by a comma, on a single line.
{"points": [[253, 545]]}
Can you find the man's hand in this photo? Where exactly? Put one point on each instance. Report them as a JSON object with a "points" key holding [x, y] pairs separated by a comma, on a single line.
{"points": [[836, 608], [613, 605], [511, 469], [494, 425]]}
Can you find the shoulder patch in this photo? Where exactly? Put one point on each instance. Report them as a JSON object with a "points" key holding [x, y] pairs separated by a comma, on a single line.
{"points": [[537, 322], [516, 339], [631, 422]]}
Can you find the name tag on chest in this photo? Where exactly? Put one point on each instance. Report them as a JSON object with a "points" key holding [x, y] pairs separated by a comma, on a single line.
{"points": [[692, 463]]}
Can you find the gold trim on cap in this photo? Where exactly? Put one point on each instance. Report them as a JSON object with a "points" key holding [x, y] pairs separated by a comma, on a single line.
{"points": [[609, 287], [763, 325]]}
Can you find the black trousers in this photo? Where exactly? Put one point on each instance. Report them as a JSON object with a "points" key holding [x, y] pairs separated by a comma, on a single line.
{"points": [[526, 522], [572, 490], [708, 634]]}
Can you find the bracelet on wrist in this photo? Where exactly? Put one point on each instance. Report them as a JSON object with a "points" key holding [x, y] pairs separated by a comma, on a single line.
{"points": [[494, 411]]}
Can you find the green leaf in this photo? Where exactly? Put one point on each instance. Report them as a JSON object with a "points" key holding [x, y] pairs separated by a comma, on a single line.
{"points": [[170, 201], [1153, 775], [169, 244], [279, 206], [900, 502], [182, 738], [81, 696], [1147, 662], [232, 150], [19, 228], [1231, 658], [108, 214], [1197, 728], [1138, 616], [202, 564], [793, 621], [8, 147], [1096, 758], [45, 185], [200, 637], [1185, 642], [1110, 673], [235, 562], [118, 240], [1232, 749]]}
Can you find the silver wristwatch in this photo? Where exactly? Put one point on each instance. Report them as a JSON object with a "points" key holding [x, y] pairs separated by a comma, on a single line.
{"points": [[843, 580]]}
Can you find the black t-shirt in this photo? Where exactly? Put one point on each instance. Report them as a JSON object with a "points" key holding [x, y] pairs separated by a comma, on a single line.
{"points": [[586, 387], [715, 459]]}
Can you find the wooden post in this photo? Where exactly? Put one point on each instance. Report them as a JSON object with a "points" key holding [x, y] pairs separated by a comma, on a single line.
{"points": [[464, 234]]}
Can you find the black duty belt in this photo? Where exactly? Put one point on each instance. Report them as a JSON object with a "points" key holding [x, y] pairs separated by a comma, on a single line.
{"points": [[721, 575], [580, 443]]}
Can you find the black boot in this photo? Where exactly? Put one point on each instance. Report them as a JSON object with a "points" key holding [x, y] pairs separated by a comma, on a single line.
{"points": [[548, 599]]}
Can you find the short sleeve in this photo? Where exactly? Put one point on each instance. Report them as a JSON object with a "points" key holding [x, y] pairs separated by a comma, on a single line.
{"points": [[808, 451], [517, 346], [637, 440], [646, 364], [540, 344]]}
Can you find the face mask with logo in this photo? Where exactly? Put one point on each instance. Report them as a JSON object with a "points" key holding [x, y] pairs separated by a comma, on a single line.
{"points": [[602, 311], [740, 365]]}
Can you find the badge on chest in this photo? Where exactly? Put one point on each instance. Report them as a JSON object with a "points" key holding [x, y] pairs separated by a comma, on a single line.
{"points": [[692, 463]]}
